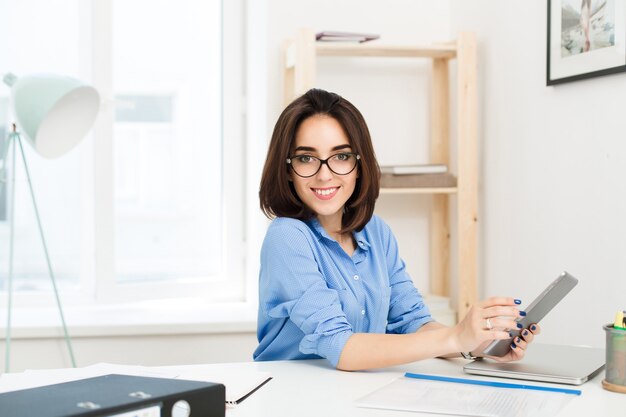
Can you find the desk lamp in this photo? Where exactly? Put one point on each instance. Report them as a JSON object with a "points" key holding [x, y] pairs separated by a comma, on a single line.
{"points": [[53, 113]]}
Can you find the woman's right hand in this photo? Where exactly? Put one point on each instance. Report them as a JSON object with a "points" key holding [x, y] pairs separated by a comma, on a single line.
{"points": [[487, 320]]}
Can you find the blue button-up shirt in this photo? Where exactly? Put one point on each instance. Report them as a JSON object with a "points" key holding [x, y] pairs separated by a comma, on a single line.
{"points": [[313, 296]]}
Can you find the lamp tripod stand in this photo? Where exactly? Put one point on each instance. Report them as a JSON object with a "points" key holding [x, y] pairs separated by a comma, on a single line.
{"points": [[15, 139]]}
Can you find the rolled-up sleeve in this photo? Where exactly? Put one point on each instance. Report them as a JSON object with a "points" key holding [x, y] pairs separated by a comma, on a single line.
{"points": [[292, 288]]}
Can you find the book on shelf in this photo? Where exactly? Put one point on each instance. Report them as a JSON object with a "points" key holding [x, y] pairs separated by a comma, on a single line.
{"points": [[414, 169], [332, 36], [445, 180]]}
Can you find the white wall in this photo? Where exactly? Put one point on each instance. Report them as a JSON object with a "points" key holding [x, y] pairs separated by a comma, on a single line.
{"points": [[147, 350], [553, 160]]}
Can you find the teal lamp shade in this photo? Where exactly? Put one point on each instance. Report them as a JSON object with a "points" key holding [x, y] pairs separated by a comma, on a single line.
{"points": [[53, 112]]}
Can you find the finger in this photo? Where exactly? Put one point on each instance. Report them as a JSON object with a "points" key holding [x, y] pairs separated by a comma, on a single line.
{"points": [[535, 328], [504, 323], [527, 335], [521, 343], [502, 311], [499, 301], [518, 352], [498, 334]]}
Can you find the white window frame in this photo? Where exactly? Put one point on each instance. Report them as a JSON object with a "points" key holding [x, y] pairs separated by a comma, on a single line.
{"points": [[244, 117], [230, 286]]}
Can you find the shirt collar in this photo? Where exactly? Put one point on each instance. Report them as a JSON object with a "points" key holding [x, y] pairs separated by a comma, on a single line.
{"points": [[359, 237]]}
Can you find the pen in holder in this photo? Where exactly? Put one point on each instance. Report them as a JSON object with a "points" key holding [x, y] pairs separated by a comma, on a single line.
{"points": [[615, 379]]}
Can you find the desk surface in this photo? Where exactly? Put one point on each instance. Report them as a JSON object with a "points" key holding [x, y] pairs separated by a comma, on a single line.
{"points": [[313, 388]]}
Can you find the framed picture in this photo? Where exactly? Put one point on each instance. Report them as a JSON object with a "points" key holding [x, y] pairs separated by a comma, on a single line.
{"points": [[586, 38]]}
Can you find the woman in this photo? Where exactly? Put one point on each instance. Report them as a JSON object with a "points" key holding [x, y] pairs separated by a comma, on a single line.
{"points": [[332, 283]]}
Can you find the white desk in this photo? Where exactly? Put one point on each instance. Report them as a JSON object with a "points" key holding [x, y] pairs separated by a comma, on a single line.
{"points": [[313, 388]]}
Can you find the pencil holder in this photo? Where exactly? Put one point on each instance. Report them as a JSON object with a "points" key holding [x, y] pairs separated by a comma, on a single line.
{"points": [[615, 379]]}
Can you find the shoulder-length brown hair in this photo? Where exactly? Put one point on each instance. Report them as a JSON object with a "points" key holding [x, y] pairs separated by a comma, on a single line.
{"points": [[277, 194]]}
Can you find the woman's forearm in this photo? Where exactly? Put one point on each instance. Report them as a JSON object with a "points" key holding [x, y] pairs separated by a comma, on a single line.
{"points": [[371, 350]]}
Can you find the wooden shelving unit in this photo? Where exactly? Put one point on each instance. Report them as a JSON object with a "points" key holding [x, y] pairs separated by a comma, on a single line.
{"points": [[300, 55]]}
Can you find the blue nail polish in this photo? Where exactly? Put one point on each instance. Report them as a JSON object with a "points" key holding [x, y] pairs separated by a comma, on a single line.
{"points": [[533, 327], [513, 345], [510, 334], [517, 301], [518, 340], [525, 332], [519, 326], [522, 313]]}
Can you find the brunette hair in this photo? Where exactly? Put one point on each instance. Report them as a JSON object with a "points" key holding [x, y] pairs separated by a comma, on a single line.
{"points": [[277, 195]]}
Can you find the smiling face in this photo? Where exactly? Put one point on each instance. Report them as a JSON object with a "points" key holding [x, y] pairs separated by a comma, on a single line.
{"points": [[325, 193]]}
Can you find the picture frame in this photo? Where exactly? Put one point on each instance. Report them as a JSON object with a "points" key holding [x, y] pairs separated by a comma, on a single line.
{"points": [[586, 38]]}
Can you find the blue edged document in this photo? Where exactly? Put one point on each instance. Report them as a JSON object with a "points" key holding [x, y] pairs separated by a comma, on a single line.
{"points": [[468, 397]]}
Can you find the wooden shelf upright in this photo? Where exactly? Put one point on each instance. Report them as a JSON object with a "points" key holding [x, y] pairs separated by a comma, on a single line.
{"points": [[299, 66]]}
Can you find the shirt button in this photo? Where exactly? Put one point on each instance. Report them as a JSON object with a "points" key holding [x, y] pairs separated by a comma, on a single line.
{"points": [[362, 312], [356, 277]]}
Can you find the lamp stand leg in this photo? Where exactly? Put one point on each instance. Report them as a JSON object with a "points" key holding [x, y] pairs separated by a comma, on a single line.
{"points": [[11, 195], [45, 248]]}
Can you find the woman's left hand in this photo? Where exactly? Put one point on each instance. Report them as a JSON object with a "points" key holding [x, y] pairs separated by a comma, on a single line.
{"points": [[518, 345]]}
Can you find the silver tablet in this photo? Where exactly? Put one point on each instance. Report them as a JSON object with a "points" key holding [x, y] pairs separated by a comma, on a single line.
{"points": [[536, 311]]}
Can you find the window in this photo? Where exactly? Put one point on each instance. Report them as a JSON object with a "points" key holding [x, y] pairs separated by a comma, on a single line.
{"points": [[150, 205]]}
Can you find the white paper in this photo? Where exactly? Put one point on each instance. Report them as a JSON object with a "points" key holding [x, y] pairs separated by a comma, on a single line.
{"points": [[437, 397], [238, 381], [41, 377]]}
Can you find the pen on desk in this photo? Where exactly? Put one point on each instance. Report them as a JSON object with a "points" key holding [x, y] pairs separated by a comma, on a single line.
{"points": [[620, 320], [492, 383]]}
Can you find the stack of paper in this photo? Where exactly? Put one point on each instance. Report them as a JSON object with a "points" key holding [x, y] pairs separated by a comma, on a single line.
{"points": [[467, 399], [239, 383], [332, 36]]}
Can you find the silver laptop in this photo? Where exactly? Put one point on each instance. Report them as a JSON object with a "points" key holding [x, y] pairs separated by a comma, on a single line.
{"points": [[572, 365]]}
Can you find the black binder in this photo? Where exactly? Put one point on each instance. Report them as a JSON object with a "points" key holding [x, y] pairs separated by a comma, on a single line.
{"points": [[111, 395]]}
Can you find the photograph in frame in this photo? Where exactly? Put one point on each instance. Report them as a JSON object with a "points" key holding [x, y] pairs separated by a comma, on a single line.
{"points": [[586, 38]]}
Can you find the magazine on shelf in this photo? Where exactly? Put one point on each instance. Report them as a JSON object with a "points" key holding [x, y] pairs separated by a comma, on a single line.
{"points": [[414, 169], [331, 36]]}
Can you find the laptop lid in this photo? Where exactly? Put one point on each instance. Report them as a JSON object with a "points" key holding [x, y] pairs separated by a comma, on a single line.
{"points": [[572, 365]]}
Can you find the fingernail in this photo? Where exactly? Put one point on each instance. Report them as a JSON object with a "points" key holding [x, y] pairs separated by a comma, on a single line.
{"points": [[513, 345], [522, 313], [510, 334], [533, 327], [518, 301], [518, 340], [525, 332], [519, 326]]}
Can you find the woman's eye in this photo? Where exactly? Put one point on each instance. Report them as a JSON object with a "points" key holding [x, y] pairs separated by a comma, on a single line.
{"points": [[342, 156], [304, 159]]}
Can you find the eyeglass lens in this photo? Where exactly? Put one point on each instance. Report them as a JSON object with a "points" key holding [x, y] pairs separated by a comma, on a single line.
{"points": [[340, 164]]}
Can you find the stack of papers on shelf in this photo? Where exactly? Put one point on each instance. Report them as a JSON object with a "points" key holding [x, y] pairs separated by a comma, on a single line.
{"points": [[414, 169], [330, 36], [445, 180]]}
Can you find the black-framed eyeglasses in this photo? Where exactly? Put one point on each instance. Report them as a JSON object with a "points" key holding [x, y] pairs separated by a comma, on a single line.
{"points": [[306, 166]]}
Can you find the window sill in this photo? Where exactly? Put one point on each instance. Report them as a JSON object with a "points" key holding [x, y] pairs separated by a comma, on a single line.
{"points": [[149, 318]]}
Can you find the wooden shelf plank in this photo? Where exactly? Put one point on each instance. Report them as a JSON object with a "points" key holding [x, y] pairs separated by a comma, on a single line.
{"points": [[419, 190], [372, 50]]}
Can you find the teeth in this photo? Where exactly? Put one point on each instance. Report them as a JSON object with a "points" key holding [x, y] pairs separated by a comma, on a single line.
{"points": [[325, 192]]}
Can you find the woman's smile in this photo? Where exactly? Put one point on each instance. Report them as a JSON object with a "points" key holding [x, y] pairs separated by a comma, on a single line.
{"points": [[325, 193]]}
